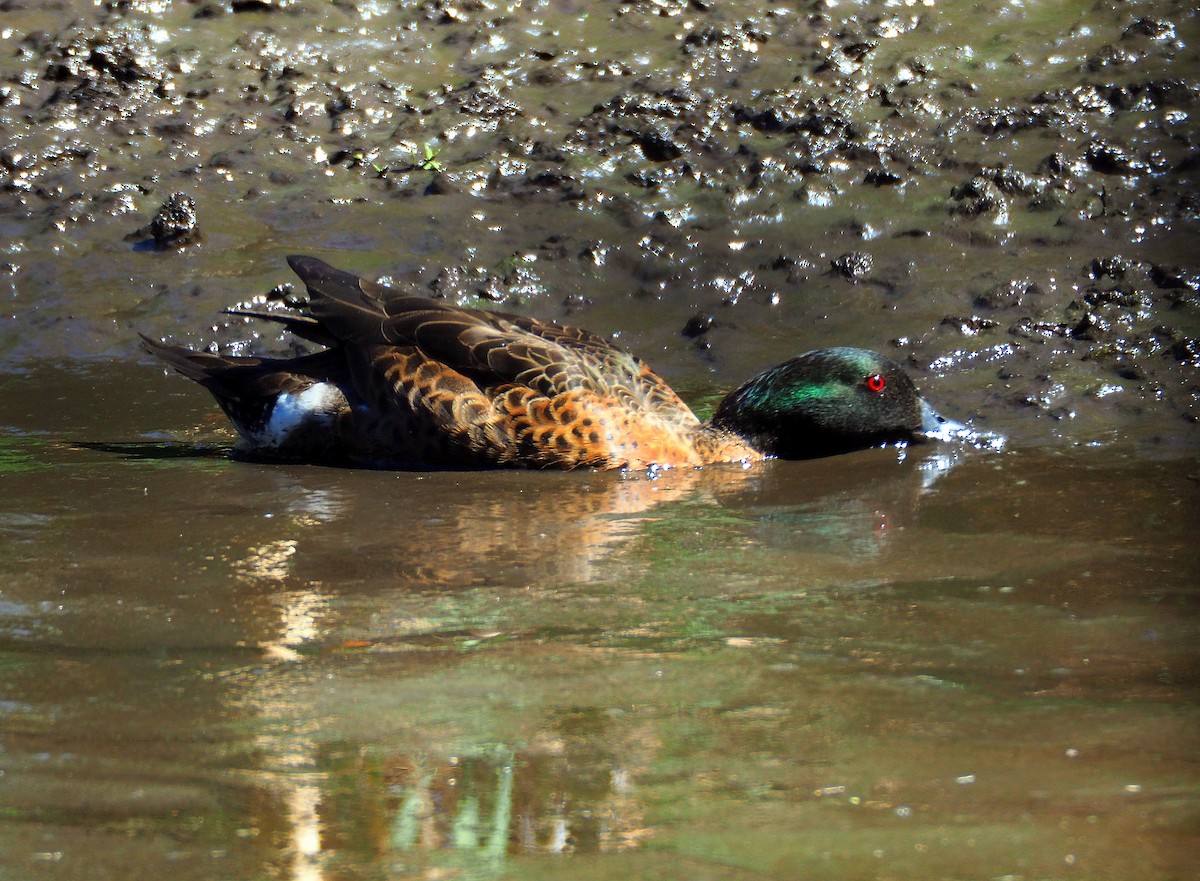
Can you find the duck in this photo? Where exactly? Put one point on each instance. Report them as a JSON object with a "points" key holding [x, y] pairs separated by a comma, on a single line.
{"points": [[410, 382]]}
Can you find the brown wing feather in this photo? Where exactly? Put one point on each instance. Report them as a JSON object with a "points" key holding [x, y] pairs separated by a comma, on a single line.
{"points": [[423, 382], [492, 348]]}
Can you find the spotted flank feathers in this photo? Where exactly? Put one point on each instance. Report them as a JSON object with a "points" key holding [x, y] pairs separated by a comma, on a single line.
{"points": [[411, 382]]}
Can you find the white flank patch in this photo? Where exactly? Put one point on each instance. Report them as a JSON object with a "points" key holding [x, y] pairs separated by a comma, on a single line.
{"points": [[317, 402]]}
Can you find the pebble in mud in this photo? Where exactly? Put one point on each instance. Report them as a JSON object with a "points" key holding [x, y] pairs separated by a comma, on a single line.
{"points": [[1107, 157], [979, 195], [1114, 266], [1175, 277], [698, 325], [174, 226], [1009, 295], [854, 266]]}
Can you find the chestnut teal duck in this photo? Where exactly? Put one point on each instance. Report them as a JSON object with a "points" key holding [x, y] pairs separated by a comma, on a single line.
{"points": [[406, 381]]}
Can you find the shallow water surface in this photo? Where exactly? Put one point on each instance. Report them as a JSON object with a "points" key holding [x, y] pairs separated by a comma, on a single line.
{"points": [[948, 663]]}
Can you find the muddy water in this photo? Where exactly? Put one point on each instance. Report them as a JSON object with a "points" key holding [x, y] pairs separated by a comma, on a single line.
{"points": [[967, 666], [947, 663]]}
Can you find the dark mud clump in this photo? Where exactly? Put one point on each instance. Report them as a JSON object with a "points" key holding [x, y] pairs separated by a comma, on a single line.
{"points": [[1014, 211], [174, 226]]}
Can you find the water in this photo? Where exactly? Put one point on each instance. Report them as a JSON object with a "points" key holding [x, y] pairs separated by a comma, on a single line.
{"points": [[868, 666]]}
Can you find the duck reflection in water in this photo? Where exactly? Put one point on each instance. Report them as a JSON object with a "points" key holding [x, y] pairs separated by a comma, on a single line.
{"points": [[403, 606]]}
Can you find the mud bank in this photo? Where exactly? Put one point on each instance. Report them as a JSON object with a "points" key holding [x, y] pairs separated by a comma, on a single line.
{"points": [[1004, 196]]}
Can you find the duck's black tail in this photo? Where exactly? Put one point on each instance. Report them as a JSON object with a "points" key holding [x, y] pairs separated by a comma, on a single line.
{"points": [[281, 406]]}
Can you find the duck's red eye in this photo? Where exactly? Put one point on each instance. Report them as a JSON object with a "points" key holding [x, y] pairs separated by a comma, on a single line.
{"points": [[876, 382]]}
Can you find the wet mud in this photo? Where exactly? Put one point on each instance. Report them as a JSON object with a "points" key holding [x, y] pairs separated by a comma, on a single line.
{"points": [[1004, 198]]}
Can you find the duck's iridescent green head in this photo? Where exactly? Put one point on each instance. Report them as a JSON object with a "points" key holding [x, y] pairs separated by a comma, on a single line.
{"points": [[829, 401]]}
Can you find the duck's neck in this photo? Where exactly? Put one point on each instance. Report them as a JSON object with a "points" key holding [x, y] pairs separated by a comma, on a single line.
{"points": [[746, 416], [715, 444]]}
